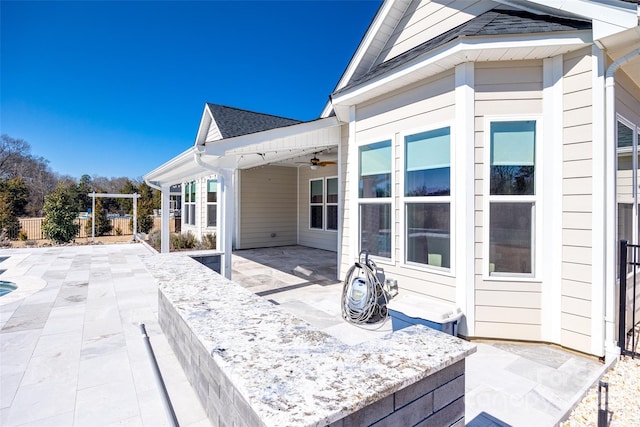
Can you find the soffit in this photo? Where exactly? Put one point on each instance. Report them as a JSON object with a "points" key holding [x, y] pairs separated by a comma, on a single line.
{"points": [[619, 45]]}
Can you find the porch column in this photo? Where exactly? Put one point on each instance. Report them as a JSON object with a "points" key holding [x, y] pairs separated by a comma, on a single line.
{"points": [[165, 232], [224, 241]]}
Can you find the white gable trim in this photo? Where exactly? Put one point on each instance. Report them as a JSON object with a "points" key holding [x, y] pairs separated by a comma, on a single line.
{"points": [[373, 42]]}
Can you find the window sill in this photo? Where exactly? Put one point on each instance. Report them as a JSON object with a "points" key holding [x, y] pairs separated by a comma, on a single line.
{"points": [[431, 270], [520, 279]]}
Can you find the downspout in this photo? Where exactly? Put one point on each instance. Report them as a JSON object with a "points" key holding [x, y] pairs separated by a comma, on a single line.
{"points": [[227, 220], [164, 217], [610, 143]]}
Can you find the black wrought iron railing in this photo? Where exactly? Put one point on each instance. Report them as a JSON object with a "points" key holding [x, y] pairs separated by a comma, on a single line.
{"points": [[628, 268]]}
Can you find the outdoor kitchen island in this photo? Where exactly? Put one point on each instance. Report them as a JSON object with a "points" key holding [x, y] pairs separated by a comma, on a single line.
{"points": [[253, 364]]}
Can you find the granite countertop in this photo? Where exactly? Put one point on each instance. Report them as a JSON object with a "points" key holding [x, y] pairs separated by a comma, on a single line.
{"points": [[290, 372]]}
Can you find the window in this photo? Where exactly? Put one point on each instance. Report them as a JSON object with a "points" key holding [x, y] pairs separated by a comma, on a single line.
{"points": [[316, 203], [332, 204], [190, 203], [212, 203], [427, 198], [323, 204], [627, 138], [512, 198], [375, 198]]}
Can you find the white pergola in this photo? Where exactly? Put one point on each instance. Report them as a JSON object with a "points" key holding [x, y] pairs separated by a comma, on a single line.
{"points": [[134, 196], [223, 157]]}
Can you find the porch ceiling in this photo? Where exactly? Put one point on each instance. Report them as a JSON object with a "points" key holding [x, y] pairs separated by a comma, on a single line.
{"points": [[282, 146]]}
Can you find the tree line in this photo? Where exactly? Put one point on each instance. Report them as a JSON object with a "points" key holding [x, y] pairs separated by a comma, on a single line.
{"points": [[29, 188]]}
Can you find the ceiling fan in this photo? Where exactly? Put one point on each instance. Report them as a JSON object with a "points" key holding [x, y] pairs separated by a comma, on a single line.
{"points": [[315, 162]]}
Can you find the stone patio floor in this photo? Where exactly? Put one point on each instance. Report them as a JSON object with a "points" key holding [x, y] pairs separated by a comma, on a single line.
{"points": [[71, 350]]}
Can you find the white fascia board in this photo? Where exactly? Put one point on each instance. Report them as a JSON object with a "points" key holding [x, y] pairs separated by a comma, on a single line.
{"points": [[363, 47], [171, 172], [220, 148], [458, 52]]}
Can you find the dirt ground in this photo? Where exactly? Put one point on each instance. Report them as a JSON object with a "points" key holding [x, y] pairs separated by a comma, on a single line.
{"points": [[78, 241]]}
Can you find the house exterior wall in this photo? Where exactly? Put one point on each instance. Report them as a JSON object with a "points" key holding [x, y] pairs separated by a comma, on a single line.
{"points": [[267, 207], [504, 307], [577, 209], [347, 170], [426, 19], [314, 238], [416, 109], [554, 304]]}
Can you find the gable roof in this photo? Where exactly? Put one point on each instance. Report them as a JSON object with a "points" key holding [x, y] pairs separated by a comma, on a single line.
{"points": [[495, 22], [232, 122]]}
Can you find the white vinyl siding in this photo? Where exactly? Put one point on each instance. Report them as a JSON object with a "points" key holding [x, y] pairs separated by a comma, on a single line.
{"points": [[577, 209], [425, 20], [510, 91], [268, 213]]}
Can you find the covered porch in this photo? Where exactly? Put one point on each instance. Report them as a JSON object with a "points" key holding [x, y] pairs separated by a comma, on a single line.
{"points": [[241, 166]]}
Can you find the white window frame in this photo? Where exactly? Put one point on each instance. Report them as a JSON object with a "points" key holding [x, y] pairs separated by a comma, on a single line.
{"points": [[535, 199], [317, 204], [327, 204], [634, 200], [208, 203], [189, 218], [404, 201], [369, 201]]}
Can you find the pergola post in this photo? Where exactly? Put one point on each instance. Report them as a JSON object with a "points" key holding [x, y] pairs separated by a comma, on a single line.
{"points": [[93, 216], [135, 214]]}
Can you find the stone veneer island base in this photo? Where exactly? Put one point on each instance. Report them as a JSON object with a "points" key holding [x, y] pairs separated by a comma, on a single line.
{"points": [[253, 364]]}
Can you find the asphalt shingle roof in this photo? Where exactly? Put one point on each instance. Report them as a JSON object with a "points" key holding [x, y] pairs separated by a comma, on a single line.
{"points": [[234, 122], [492, 23]]}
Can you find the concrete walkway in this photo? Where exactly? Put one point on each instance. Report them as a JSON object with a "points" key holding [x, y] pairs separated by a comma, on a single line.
{"points": [[71, 350]]}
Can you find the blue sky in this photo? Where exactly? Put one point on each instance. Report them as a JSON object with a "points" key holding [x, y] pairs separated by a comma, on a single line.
{"points": [[116, 88]]}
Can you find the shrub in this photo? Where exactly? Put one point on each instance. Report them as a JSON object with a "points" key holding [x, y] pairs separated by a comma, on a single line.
{"points": [[103, 225], [208, 241], [22, 236], [118, 231], [183, 241], [4, 240], [59, 223], [154, 239]]}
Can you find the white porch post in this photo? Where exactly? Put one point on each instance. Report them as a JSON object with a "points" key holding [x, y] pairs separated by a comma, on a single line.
{"points": [[164, 220], [224, 241]]}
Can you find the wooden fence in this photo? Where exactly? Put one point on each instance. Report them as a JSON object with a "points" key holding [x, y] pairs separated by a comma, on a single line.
{"points": [[33, 227]]}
